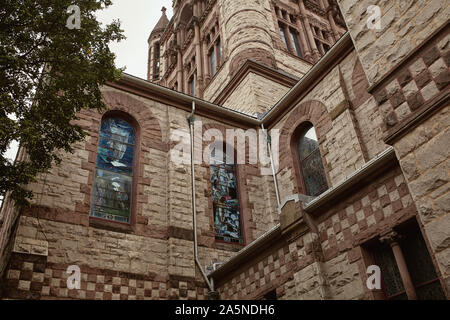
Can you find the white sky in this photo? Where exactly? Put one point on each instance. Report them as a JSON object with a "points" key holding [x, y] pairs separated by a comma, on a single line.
{"points": [[137, 17]]}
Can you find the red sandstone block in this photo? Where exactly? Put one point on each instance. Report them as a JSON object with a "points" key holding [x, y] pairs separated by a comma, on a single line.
{"points": [[351, 219], [368, 211], [362, 225], [397, 205], [354, 255], [384, 200], [337, 227], [379, 216]]}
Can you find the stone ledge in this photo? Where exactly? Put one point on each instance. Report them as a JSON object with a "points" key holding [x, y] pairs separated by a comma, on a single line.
{"points": [[30, 246]]}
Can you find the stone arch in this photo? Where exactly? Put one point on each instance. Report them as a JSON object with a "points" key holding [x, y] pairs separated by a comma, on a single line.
{"points": [[258, 54], [151, 135], [314, 112], [186, 13]]}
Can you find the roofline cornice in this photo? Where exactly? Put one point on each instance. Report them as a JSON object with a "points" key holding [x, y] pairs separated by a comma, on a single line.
{"points": [[207, 109]]}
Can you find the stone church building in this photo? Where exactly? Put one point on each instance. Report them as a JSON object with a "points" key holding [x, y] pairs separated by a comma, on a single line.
{"points": [[359, 112]]}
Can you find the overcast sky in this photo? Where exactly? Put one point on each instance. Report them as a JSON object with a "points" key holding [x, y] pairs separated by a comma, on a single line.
{"points": [[137, 17]]}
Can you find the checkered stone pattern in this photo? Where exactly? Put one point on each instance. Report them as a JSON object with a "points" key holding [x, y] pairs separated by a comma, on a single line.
{"points": [[101, 285], [415, 84], [385, 200], [24, 277], [273, 271]]}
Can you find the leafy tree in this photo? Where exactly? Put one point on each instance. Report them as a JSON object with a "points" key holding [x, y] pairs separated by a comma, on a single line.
{"points": [[48, 73]]}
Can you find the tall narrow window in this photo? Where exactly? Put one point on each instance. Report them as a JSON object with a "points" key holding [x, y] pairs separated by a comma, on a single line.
{"points": [[156, 61], [283, 36], [212, 60], [227, 219], [219, 51], [192, 85], [113, 180], [294, 38], [312, 169]]}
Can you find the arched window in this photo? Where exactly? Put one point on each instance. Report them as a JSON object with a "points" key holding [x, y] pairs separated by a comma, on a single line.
{"points": [[113, 180], [312, 171], [227, 217]]}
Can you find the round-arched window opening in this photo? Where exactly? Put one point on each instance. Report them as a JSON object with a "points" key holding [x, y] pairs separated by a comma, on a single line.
{"points": [[114, 171], [312, 170]]}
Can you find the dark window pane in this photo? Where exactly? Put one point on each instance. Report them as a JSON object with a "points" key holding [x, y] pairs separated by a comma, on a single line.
{"points": [[212, 58], [390, 274], [192, 86], [417, 258], [283, 37], [312, 169], [420, 265], [313, 174], [219, 51], [294, 38], [308, 143], [432, 291]]}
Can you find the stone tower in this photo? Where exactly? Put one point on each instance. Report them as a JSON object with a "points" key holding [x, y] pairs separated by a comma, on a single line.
{"points": [[226, 51], [154, 51], [362, 119]]}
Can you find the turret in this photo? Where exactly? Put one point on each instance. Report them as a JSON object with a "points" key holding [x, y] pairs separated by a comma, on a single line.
{"points": [[154, 51]]}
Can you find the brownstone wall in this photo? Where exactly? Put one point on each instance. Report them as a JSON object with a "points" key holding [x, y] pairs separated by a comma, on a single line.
{"points": [[328, 265], [158, 245]]}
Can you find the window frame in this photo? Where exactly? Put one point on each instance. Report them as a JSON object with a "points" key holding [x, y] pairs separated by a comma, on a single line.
{"points": [[237, 173], [122, 226], [369, 258], [296, 156]]}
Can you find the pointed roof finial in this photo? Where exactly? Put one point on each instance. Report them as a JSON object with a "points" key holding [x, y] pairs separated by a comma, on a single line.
{"points": [[162, 23]]}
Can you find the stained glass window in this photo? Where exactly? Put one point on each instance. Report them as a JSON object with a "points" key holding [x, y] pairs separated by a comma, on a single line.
{"points": [[312, 169], [418, 262], [420, 265], [392, 281], [113, 180], [227, 219]]}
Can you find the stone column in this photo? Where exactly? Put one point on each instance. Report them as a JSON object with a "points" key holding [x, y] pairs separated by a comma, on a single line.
{"points": [[206, 72], [392, 239], [180, 77], [149, 64], [312, 42]]}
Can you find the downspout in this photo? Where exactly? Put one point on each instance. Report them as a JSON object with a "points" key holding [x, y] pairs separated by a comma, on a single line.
{"points": [[269, 146], [191, 120]]}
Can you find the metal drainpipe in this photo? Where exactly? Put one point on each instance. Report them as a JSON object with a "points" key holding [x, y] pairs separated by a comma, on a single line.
{"points": [[269, 146], [191, 120]]}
